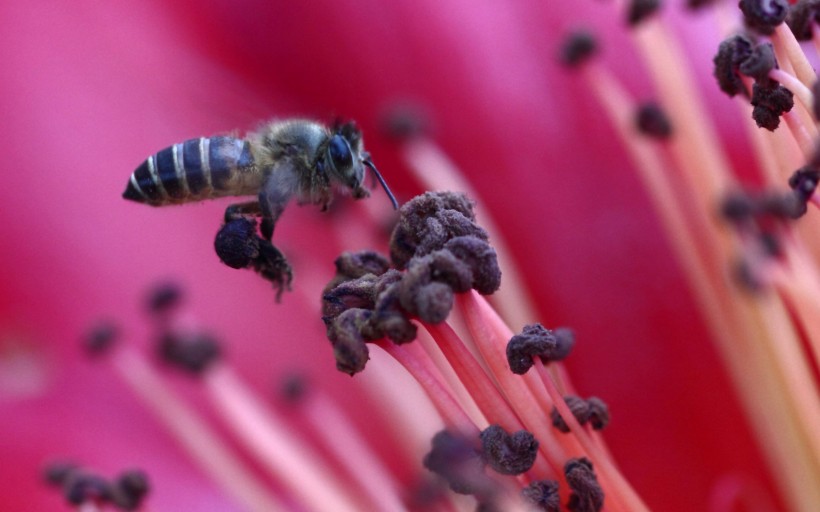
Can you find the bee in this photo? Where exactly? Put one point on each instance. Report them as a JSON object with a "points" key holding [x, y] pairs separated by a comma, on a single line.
{"points": [[292, 159]]}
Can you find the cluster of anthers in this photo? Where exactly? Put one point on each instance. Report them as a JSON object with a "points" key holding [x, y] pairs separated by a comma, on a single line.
{"points": [[437, 251]]}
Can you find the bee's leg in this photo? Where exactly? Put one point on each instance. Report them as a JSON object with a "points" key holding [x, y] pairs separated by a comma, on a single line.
{"points": [[277, 191], [242, 210], [239, 246], [273, 266], [271, 210]]}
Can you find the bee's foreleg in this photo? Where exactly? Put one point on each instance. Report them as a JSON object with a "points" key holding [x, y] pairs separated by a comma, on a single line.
{"points": [[239, 246]]}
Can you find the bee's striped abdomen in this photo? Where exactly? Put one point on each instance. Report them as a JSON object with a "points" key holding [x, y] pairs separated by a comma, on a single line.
{"points": [[194, 170]]}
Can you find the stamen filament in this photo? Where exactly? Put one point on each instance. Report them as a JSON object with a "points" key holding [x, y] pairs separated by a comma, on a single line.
{"points": [[485, 393], [616, 486], [801, 91], [415, 362], [351, 450], [788, 49], [200, 442], [286, 457]]}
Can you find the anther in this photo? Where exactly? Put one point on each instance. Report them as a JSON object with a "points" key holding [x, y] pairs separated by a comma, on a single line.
{"points": [[764, 15], [455, 459], [192, 352], [508, 454], [745, 276], [577, 48], [544, 495], [355, 293], [82, 488], [405, 120], [598, 413], [101, 338], [429, 221], [802, 17], [737, 207], [129, 489], [56, 473], [815, 93], [652, 120], [345, 335], [639, 10], [482, 260], [697, 4], [759, 62], [804, 182], [587, 495], [731, 53], [357, 264], [770, 101], [783, 206], [534, 341], [579, 408], [389, 318], [294, 387], [163, 296], [565, 341]]}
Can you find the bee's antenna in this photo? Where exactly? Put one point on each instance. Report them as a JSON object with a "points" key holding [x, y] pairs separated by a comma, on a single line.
{"points": [[384, 185]]}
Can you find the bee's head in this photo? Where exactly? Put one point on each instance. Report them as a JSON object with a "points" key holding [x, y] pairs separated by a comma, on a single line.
{"points": [[346, 159]]}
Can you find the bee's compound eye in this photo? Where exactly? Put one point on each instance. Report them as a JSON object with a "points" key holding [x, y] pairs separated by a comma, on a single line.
{"points": [[340, 153]]}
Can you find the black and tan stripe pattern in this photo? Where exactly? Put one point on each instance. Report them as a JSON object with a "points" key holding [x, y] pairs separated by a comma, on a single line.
{"points": [[193, 170]]}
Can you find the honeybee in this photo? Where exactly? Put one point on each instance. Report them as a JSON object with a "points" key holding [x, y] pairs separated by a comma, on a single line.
{"points": [[284, 160]]}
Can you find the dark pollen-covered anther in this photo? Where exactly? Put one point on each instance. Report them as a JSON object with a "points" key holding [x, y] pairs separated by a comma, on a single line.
{"points": [[731, 53], [455, 459], [587, 495], [802, 17], [639, 10], [770, 101], [101, 338], [543, 494], [804, 182], [129, 489], [191, 352], [508, 454], [759, 62], [577, 48], [437, 250], [163, 297], [535, 340], [592, 410], [653, 121], [80, 487], [764, 15]]}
